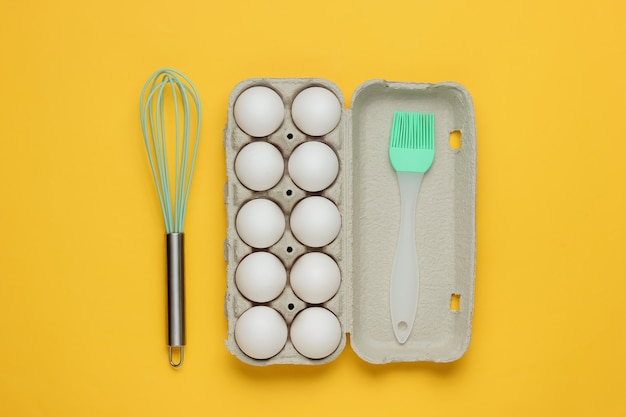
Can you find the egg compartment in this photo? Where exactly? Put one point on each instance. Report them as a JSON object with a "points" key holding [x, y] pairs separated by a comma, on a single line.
{"points": [[287, 195], [366, 193]]}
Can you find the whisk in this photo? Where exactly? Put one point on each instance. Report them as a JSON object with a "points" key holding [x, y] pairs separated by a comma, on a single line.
{"points": [[157, 118]]}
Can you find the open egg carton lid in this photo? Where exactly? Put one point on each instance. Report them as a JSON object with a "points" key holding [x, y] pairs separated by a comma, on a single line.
{"points": [[366, 194]]}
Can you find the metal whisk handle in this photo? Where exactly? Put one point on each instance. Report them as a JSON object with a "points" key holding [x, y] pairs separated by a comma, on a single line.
{"points": [[175, 294]]}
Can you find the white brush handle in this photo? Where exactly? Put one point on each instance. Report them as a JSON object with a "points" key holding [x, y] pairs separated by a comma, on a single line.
{"points": [[404, 287]]}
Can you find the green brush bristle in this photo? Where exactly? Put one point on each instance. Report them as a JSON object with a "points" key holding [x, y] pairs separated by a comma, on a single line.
{"points": [[412, 147]]}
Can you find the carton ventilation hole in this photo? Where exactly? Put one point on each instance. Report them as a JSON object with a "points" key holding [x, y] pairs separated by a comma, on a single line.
{"points": [[289, 135], [289, 249], [288, 192], [291, 306], [455, 139], [455, 302]]}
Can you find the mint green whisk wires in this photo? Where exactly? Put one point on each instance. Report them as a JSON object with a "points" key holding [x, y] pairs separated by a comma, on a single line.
{"points": [[164, 85], [153, 126]]}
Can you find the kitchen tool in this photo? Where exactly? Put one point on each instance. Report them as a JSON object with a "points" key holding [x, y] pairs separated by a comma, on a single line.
{"points": [[170, 104], [411, 151]]}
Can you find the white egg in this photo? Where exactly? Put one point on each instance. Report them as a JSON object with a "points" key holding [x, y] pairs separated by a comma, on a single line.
{"points": [[315, 277], [259, 111], [260, 223], [259, 166], [313, 166], [315, 221], [315, 332], [316, 111], [261, 332], [261, 277]]}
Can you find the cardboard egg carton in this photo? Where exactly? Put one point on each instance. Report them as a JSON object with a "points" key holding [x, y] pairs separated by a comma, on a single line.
{"points": [[366, 193]]}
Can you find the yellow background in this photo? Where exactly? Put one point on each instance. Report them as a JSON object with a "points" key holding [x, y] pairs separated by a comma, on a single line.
{"points": [[82, 294]]}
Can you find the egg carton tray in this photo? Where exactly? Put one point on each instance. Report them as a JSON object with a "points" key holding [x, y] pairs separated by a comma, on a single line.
{"points": [[367, 196]]}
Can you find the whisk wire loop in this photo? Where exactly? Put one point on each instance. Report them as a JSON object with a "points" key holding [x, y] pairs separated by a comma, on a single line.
{"points": [[153, 125]]}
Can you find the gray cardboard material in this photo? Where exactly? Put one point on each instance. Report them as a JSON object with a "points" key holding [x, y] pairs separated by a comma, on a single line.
{"points": [[367, 196]]}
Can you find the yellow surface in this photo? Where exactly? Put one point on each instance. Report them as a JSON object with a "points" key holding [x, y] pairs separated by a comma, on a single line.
{"points": [[82, 296]]}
